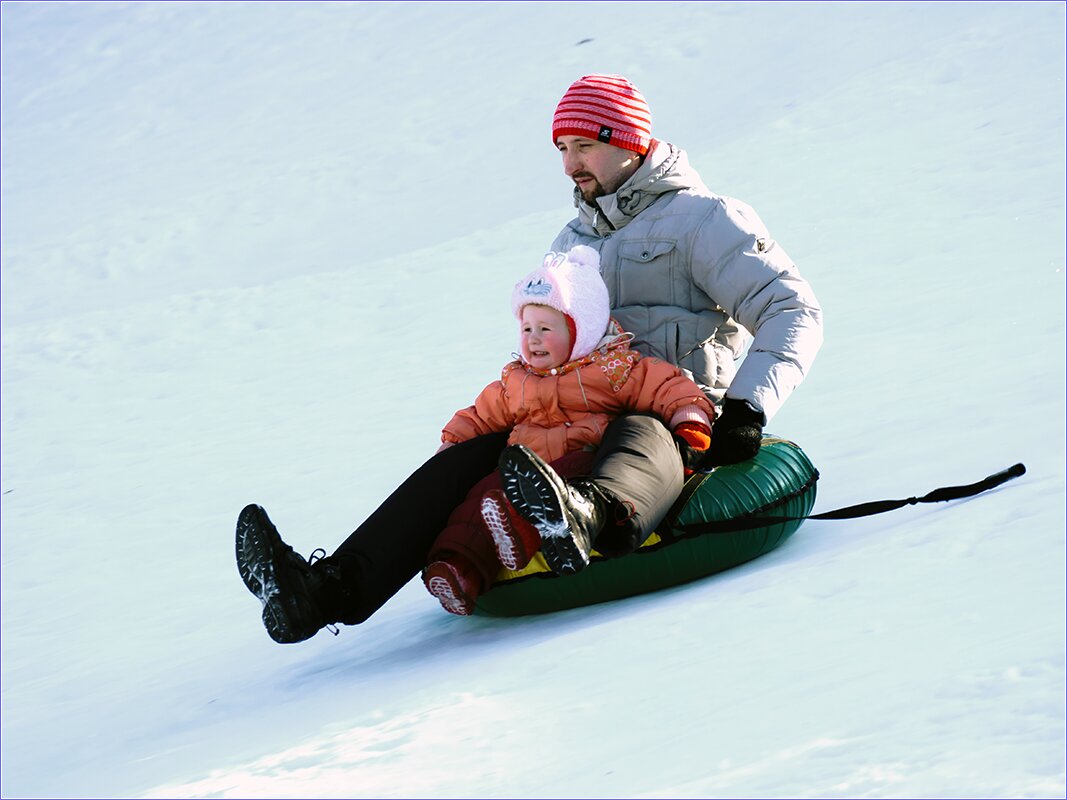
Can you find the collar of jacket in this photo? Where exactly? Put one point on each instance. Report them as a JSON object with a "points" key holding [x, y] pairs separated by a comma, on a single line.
{"points": [[665, 169]]}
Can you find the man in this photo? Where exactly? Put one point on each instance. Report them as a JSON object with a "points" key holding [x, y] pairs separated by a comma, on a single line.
{"points": [[687, 271]]}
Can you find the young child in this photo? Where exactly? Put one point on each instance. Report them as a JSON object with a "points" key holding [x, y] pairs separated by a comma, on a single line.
{"points": [[576, 373]]}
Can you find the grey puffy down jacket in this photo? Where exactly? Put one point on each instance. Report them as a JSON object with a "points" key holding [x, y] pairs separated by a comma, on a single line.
{"points": [[691, 274]]}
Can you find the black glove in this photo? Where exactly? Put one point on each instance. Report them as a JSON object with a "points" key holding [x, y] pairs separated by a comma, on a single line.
{"points": [[736, 434]]}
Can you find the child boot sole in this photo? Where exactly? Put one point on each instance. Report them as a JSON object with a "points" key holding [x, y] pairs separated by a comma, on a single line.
{"points": [[509, 548]]}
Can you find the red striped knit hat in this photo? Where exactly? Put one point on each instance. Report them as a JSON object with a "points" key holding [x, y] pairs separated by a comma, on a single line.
{"points": [[607, 108]]}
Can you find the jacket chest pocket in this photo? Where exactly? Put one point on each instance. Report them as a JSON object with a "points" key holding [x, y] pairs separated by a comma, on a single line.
{"points": [[646, 272]]}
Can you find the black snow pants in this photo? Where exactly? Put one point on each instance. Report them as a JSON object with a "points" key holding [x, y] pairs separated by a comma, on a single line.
{"points": [[637, 463]]}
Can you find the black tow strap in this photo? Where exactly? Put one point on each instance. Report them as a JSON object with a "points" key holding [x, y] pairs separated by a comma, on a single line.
{"points": [[862, 509]]}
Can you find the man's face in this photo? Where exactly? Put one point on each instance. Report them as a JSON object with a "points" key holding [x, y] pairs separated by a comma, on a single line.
{"points": [[595, 167]]}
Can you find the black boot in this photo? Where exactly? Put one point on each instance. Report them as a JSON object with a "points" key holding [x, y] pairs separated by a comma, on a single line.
{"points": [[299, 596], [568, 516]]}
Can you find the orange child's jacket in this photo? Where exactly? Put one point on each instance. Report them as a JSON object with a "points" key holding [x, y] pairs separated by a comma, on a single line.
{"points": [[557, 411]]}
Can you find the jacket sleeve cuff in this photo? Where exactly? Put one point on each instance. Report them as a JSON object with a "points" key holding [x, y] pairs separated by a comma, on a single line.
{"points": [[691, 413]]}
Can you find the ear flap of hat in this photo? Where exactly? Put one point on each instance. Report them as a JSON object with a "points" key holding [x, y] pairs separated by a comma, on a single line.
{"points": [[572, 329]]}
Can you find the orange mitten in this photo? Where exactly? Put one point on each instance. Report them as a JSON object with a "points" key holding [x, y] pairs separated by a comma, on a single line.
{"points": [[696, 435], [693, 439]]}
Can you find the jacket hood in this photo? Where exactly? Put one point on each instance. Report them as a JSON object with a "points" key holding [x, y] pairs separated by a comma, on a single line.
{"points": [[665, 169]]}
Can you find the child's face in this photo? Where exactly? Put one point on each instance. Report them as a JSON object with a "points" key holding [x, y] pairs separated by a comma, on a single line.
{"points": [[546, 341]]}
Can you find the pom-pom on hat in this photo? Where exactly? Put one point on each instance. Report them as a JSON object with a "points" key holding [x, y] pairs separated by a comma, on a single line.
{"points": [[570, 283], [607, 108]]}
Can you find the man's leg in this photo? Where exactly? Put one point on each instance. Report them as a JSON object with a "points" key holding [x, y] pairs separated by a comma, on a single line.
{"points": [[639, 467], [301, 596], [391, 546], [634, 480]]}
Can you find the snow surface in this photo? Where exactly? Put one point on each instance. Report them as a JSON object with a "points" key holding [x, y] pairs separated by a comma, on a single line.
{"points": [[261, 252]]}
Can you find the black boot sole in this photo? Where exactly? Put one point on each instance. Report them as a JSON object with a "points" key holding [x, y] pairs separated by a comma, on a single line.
{"points": [[257, 543], [538, 495]]}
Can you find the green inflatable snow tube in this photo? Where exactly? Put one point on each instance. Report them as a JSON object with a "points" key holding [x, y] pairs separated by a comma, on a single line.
{"points": [[779, 481]]}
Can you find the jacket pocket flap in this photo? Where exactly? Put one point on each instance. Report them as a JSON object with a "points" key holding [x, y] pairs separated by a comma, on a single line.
{"points": [[646, 250]]}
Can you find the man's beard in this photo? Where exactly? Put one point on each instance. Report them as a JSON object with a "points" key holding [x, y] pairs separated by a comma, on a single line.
{"points": [[596, 190]]}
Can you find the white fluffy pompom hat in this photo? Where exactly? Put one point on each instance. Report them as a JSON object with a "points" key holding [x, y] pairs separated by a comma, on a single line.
{"points": [[570, 283]]}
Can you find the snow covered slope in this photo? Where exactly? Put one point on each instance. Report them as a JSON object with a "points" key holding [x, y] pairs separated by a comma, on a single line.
{"points": [[262, 251]]}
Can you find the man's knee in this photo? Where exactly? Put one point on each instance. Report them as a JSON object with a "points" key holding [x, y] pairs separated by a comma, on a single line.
{"points": [[638, 464], [635, 438]]}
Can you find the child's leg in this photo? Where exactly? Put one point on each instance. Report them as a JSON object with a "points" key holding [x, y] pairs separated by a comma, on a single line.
{"points": [[516, 539], [482, 534], [465, 535], [462, 562]]}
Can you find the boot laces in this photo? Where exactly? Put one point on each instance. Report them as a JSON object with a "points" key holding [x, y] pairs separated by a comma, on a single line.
{"points": [[318, 554]]}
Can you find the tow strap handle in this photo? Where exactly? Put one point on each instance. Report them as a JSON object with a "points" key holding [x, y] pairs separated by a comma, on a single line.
{"points": [[862, 509]]}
